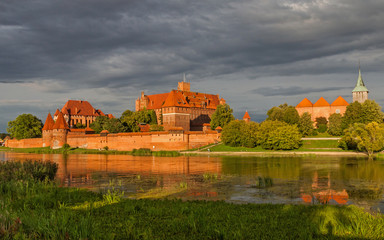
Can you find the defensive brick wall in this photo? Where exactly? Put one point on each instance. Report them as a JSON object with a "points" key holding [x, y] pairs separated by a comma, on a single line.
{"points": [[24, 143], [155, 141]]}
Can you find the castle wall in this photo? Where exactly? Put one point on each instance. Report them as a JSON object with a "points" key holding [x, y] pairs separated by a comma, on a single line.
{"points": [[24, 143], [47, 138], [338, 109], [321, 111]]}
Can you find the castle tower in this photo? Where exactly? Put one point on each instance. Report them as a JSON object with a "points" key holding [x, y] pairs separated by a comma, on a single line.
{"points": [[184, 85], [48, 131], [246, 117], [360, 92], [60, 130]]}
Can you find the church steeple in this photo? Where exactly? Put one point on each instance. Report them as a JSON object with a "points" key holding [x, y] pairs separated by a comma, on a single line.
{"points": [[360, 92]]}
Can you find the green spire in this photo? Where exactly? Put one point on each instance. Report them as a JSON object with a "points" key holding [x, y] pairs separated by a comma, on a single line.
{"points": [[360, 87]]}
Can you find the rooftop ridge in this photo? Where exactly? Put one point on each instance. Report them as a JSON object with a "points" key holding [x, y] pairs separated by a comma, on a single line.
{"points": [[60, 122], [321, 103], [48, 125]]}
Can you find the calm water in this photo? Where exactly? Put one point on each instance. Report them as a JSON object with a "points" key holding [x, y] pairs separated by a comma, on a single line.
{"points": [[307, 180]]}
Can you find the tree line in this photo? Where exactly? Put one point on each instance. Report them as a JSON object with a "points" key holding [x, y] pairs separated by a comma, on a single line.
{"points": [[361, 128]]}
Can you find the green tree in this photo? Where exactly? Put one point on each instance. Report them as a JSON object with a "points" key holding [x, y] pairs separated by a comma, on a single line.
{"points": [[306, 124], [364, 137], [239, 133], [321, 121], [99, 124], [372, 112], [367, 112], [25, 126], [250, 131], [284, 113], [278, 135], [232, 133], [131, 120], [335, 124], [222, 116], [113, 125], [80, 126]]}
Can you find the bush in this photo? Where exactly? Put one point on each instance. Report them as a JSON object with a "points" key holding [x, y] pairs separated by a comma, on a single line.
{"points": [[322, 128], [142, 152], [275, 135], [335, 125], [239, 133]]}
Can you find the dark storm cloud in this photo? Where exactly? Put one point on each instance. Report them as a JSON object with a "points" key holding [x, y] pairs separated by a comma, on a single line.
{"points": [[292, 91], [146, 43], [76, 48]]}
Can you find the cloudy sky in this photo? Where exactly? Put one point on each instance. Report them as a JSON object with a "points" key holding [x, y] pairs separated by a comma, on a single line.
{"points": [[255, 54]]}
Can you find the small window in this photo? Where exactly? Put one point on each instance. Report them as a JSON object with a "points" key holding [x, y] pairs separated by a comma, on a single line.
{"points": [[337, 110]]}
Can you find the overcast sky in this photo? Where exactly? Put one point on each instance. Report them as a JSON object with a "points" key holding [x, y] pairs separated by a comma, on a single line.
{"points": [[255, 54]]}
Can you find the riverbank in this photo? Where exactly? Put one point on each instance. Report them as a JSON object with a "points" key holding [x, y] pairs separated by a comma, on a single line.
{"points": [[135, 152], [33, 208]]}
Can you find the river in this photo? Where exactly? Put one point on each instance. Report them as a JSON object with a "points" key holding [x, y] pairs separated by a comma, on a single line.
{"points": [[289, 180]]}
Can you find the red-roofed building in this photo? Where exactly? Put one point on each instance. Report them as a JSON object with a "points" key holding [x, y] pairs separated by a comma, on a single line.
{"points": [[78, 111], [181, 107], [322, 108], [246, 117]]}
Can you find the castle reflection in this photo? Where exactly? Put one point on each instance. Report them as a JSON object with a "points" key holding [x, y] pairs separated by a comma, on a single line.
{"points": [[323, 193]]}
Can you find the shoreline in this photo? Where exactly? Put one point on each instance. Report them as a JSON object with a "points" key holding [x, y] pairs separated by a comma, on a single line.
{"points": [[275, 153]]}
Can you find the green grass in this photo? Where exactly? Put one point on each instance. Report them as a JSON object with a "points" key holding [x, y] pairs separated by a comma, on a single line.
{"points": [[320, 144], [35, 209]]}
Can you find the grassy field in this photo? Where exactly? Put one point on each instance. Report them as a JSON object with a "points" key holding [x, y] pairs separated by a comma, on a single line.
{"points": [[32, 208], [320, 144]]}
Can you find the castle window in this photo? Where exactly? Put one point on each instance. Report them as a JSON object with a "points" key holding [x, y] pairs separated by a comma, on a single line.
{"points": [[337, 110]]}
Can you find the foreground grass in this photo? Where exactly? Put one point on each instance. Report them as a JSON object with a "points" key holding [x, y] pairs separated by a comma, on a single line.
{"points": [[34, 209]]}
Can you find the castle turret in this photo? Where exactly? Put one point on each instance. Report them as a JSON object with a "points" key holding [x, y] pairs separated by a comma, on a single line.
{"points": [[184, 85], [360, 92], [60, 130], [48, 131], [246, 117]]}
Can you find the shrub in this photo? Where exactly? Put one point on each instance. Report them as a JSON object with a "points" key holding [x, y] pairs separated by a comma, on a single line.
{"points": [[322, 128], [239, 133], [279, 136], [142, 152], [335, 125]]}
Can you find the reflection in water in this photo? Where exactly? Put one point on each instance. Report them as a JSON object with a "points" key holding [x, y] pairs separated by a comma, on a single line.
{"points": [[323, 193], [235, 179]]}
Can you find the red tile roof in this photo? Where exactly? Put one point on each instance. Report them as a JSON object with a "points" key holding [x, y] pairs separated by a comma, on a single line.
{"points": [[321, 103], [175, 99], [304, 103], [178, 98], [48, 123], [340, 102], [60, 122], [81, 108], [156, 100], [246, 115], [57, 112], [88, 129]]}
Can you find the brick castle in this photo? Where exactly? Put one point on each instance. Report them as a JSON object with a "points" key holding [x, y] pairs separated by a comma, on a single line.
{"points": [[321, 108], [181, 107]]}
